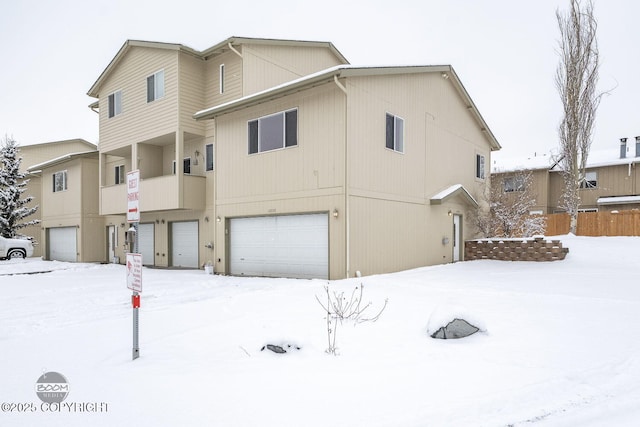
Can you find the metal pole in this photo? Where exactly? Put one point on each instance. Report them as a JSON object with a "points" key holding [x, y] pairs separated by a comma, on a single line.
{"points": [[136, 345]]}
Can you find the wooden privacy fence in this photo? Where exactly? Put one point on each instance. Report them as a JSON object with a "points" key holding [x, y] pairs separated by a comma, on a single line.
{"points": [[614, 223]]}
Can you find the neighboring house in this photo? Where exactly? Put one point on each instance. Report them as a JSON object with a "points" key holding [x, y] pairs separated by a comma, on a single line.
{"points": [[612, 179], [72, 228], [38, 153], [277, 158]]}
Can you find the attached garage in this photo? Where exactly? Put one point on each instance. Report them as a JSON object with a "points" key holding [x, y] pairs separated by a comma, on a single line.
{"points": [[294, 246], [184, 244], [146, 243], [62, 244]]}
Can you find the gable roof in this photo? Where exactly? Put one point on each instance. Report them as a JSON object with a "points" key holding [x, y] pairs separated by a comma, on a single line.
{"points": [[340, 71], [89, 145], [215, 50], [453, 191], [61, 159]]}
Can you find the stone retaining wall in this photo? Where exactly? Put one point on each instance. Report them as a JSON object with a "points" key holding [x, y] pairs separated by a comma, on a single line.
{"points": [[536, 249]]}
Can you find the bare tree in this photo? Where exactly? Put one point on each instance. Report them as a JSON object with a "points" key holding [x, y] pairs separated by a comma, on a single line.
{"points": [[576, 81], [510, 198]]}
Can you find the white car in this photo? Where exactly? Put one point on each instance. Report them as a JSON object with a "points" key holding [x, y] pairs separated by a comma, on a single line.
{"points": [[15, 248]]}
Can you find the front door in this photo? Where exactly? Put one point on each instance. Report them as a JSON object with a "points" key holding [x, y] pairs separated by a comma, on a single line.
{"points": [[457, 237], [112, 238]]}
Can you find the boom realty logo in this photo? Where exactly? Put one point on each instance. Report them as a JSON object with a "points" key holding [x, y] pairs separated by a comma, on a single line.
{"points": [[52, 387]]}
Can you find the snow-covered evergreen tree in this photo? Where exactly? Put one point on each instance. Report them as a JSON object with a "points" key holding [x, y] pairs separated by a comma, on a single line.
{"points": [[13, 206]]}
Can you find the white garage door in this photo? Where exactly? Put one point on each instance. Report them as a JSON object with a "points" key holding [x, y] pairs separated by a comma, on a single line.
{"points": [[280, 246], [146, 243], [62, 244], [184, 244]]}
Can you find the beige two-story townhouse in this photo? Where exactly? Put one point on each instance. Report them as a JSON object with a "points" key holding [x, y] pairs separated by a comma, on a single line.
{"points": [[348, 171], [35, 154], [72, 228], [146, 98], [612, 179]]}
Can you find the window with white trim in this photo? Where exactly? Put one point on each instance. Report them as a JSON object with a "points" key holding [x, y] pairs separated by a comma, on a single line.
{"points": [[394, 133], [119, 174], [479, 166], [186, 166], [273, 132], [59, 181], [208, 157], [115, 103], [590, 180], [155, 86], [513, 183], [221, 78]]}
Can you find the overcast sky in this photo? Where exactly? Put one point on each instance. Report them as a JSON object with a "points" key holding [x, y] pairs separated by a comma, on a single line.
{"points": [[504, 51]]}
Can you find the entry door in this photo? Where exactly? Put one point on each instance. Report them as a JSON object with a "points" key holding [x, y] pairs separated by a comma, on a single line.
{"points": [[112, 238], [457, 237], [184, 244]]}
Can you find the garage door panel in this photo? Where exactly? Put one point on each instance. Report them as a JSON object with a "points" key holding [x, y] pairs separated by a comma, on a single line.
{"points": [[280, 246], [146, 243], [63, 244], [184, 244]]}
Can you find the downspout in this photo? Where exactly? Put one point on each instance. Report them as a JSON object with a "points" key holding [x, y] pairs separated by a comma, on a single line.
{"points": [[234, 50], [346, 183]]}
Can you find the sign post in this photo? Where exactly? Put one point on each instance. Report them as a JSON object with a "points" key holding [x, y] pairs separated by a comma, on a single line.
{"points": [[134, 259]]}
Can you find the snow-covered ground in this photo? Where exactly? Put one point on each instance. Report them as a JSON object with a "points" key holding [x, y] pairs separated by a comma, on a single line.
{"points": [[561, 346]]}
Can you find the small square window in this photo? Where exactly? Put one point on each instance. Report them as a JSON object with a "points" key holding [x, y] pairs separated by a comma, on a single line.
{"points": [[590, 180], [115, 103], [59, 181], [479, 166], [209, 157], [155, 86], [395, 133], [119, 174]]}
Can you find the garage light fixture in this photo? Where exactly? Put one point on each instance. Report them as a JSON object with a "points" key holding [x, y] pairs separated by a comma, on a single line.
{"points": [[218, 219], [335, 213]]}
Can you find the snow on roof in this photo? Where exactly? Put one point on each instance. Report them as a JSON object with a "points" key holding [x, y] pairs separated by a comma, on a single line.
{"points": [[60, 159], [450, 192], [618, 200], [597, 158]]}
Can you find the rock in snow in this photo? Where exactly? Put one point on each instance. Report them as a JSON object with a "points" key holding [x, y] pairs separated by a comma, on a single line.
{"points": [[457, 328]]}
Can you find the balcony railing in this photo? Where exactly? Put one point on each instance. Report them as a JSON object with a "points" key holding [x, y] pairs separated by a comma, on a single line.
{"points": [[156, 194]]}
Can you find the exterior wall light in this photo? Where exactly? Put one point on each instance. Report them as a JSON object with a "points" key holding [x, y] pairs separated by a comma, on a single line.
{"points": [[218, 219], [335, 213], [450, 213]]}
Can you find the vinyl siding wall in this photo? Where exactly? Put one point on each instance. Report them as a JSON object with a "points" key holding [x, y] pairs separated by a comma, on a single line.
{"points": [[268, 66], [393, 226], [307, 178], [139, 120]]}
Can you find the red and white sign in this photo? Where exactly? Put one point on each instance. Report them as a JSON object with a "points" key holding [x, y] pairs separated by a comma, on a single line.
{"points": [[133, 196], [134, 272]]}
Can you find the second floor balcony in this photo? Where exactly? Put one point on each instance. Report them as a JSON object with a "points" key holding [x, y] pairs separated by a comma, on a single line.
{"points": [[157, 194]]}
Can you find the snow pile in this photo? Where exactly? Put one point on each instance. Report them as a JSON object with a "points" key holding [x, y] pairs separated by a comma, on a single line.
{"points": [[561, 346]]}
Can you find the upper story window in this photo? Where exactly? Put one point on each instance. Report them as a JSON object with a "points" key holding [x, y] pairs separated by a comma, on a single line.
{"points": [[115, 103], [395, 133], [479, 166], [186, 166], [221, 78], [59, 181], [273, 132], [155, 86], [590, 180], [119, 174], [513, 183], [208, 157]]}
